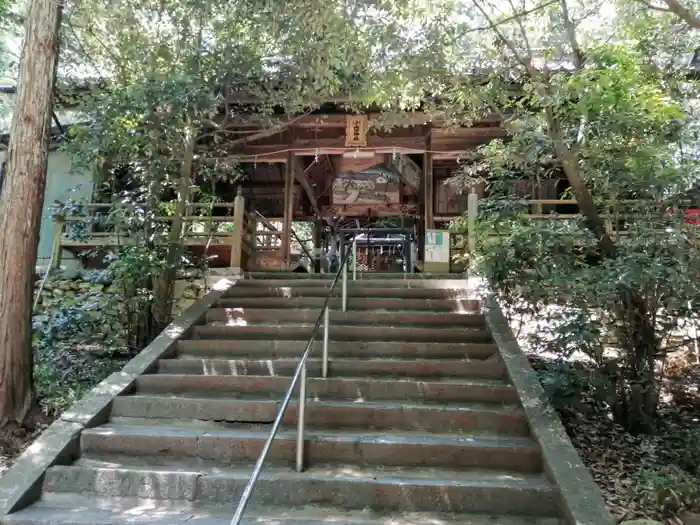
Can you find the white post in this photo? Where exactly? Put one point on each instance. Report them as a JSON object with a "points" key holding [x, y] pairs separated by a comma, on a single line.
{"points": [[326, 322], [472, 210], [354, 259], [344, 298], [301, 419]]}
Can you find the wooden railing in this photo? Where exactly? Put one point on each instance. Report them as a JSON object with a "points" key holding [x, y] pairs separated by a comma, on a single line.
{"points": [[201, 229], [616, 223]]}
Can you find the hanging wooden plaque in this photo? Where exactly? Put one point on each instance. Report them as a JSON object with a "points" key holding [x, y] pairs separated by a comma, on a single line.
{"points": [[355, 131]]}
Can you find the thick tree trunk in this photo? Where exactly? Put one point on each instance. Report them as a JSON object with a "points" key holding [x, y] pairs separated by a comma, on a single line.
{"points": [[21, 203]]}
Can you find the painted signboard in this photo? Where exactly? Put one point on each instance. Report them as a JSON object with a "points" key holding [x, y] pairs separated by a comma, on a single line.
{"points": [[375, 185]]}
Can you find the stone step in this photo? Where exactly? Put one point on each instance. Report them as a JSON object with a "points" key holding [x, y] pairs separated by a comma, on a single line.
{"points": [[362, 276], [56, 508], [224, 445], [353, 291], [346, 486], [335, 388], [347, 367], [247, 316], [394, 334], [354, 303], [272, 349], [505, 419], [397, 283]]}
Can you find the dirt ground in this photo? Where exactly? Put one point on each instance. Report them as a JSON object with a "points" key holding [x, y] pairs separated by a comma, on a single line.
{"points": [[14, 439]]}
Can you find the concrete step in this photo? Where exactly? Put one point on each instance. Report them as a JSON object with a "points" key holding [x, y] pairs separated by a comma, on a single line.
{"points": [[223, 444], [335, 388], [346, 486], [345, 333], [76, 509], [361, 276], [347, 367], [354, 303], [353, 291], [397, 283], [505, 419], [247, 316], [273, 349]]}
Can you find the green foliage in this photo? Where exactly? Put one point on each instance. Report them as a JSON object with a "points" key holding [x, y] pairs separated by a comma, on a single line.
{"points": [[669, 489], [79, 338], [618, 125], [562, 383]]}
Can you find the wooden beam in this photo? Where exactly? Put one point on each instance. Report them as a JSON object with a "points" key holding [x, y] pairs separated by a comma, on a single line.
{"points": [[337, 120], [368, 210], [445, 144]]}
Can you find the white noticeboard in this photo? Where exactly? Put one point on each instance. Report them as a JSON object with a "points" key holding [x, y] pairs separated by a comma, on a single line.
{"points": [[437, 246]]}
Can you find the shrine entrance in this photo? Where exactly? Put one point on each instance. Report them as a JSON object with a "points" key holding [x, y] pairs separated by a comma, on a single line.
{"points": [[380, 250]]}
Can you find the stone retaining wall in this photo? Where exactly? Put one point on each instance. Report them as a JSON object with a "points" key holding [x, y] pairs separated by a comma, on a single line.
{"points": [[102, 303]]}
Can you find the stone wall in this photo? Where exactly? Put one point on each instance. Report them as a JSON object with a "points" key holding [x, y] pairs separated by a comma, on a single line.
{"points": [[97, 306]]}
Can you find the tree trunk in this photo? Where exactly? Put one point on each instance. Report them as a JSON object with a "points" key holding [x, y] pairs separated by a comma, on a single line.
{"points": [[638, 339], [635, 407], [164, 284], [21, 204]]}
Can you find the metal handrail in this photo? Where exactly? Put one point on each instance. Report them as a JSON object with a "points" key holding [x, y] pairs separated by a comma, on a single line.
{"points": [[299, 377]]}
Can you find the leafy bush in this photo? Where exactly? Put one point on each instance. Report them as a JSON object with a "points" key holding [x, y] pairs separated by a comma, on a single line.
{"points": [[562, 383], [669, 489]]}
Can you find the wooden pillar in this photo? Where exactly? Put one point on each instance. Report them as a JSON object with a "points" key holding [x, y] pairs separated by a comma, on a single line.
{"points": [[253, 230], [426, 201], [288, 209], [428, 180], [236, 239]]}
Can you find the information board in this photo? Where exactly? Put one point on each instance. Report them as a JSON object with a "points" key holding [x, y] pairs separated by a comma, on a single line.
{"points": [[437, 246]]}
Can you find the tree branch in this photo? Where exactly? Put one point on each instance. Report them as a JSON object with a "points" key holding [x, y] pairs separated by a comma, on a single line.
{"points": [[527, 64], [684, 13], [269, 132], [571, 34], [515, 16], [678, 9], [523, 33], [654, 7]]}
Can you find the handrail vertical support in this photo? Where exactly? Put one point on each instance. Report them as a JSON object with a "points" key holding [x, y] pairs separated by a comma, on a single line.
{"points": [[344, 299], [326, 322], [472, 212], [301, 419], [299, 378], [354, 259]]}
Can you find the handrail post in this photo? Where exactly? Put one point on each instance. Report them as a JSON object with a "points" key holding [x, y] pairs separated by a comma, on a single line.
{"points": [[60, 225], [301, 419], [472, 212], [300, 377], [344, 299], [238, 234], [354, 259], [326, 322]]}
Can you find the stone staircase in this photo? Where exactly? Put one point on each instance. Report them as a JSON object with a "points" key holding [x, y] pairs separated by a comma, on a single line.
{"points": [[417, 424]]}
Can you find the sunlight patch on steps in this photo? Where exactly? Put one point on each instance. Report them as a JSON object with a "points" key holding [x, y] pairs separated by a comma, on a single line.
{"points": [[234, 317]]}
